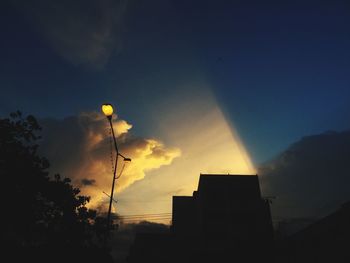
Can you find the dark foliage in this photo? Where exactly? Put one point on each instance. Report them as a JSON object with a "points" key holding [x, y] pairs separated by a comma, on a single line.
{"points": [[41, 213]]}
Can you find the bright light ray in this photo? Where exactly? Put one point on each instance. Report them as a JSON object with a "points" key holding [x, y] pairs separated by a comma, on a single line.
{"points": [[208, 145]]}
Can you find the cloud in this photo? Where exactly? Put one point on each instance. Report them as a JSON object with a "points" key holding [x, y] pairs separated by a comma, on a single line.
{"points": [[80, 147], [88, 182], [82, 32], [311, 178]]}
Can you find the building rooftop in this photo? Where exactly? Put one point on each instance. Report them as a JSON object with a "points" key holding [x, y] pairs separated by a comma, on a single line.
{"points": [[240, 186]]}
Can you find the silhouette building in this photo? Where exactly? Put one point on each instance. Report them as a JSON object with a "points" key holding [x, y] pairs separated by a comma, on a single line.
{"points": [[225, 219]]}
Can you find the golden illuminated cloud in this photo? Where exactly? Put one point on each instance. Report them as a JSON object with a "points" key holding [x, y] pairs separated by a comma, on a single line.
{"points": [[80, 148], [208, 142]]}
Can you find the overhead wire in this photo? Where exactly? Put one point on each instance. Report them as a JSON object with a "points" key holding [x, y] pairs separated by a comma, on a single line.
{"points": [[146, 217]]}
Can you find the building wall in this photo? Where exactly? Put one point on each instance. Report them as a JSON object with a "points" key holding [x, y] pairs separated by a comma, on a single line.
{"points": [[227, 214]]}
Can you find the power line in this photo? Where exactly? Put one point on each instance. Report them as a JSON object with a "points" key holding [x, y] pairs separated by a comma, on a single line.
{"points": [[146, 219], [139, 201], [145, 215]]}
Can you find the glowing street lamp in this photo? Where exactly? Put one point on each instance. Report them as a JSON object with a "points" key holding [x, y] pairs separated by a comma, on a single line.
{"points": [[107, 110]]}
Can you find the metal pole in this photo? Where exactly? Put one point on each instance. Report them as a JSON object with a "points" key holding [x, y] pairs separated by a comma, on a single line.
{"points": [[114, 139], [114, 177]]}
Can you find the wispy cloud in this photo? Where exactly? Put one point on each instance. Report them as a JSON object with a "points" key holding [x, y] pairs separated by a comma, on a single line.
{"points": [[82, 32], [88, 181]]}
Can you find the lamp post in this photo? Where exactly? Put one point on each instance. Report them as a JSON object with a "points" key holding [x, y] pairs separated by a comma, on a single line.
{"points": [[107, 110]]}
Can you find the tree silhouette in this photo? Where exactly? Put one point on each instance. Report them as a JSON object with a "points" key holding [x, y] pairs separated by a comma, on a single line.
{"points": [[39, 211]]}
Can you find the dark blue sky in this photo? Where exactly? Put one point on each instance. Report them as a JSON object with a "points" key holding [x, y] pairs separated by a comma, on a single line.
{"points": [[280, 70]]}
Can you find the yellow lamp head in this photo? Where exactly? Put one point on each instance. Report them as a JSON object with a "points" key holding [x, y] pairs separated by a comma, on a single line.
{"points": [[107, 110]]}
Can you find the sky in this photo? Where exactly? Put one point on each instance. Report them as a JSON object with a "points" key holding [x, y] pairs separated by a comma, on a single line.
{"points": [[198, 86]]}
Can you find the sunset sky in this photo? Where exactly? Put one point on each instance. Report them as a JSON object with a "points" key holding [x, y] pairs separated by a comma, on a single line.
{"points": [[198, 86]]}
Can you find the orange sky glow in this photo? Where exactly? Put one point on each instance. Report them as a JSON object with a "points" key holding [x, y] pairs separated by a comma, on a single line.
{"points": [[192, 136], [206, 143]]}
